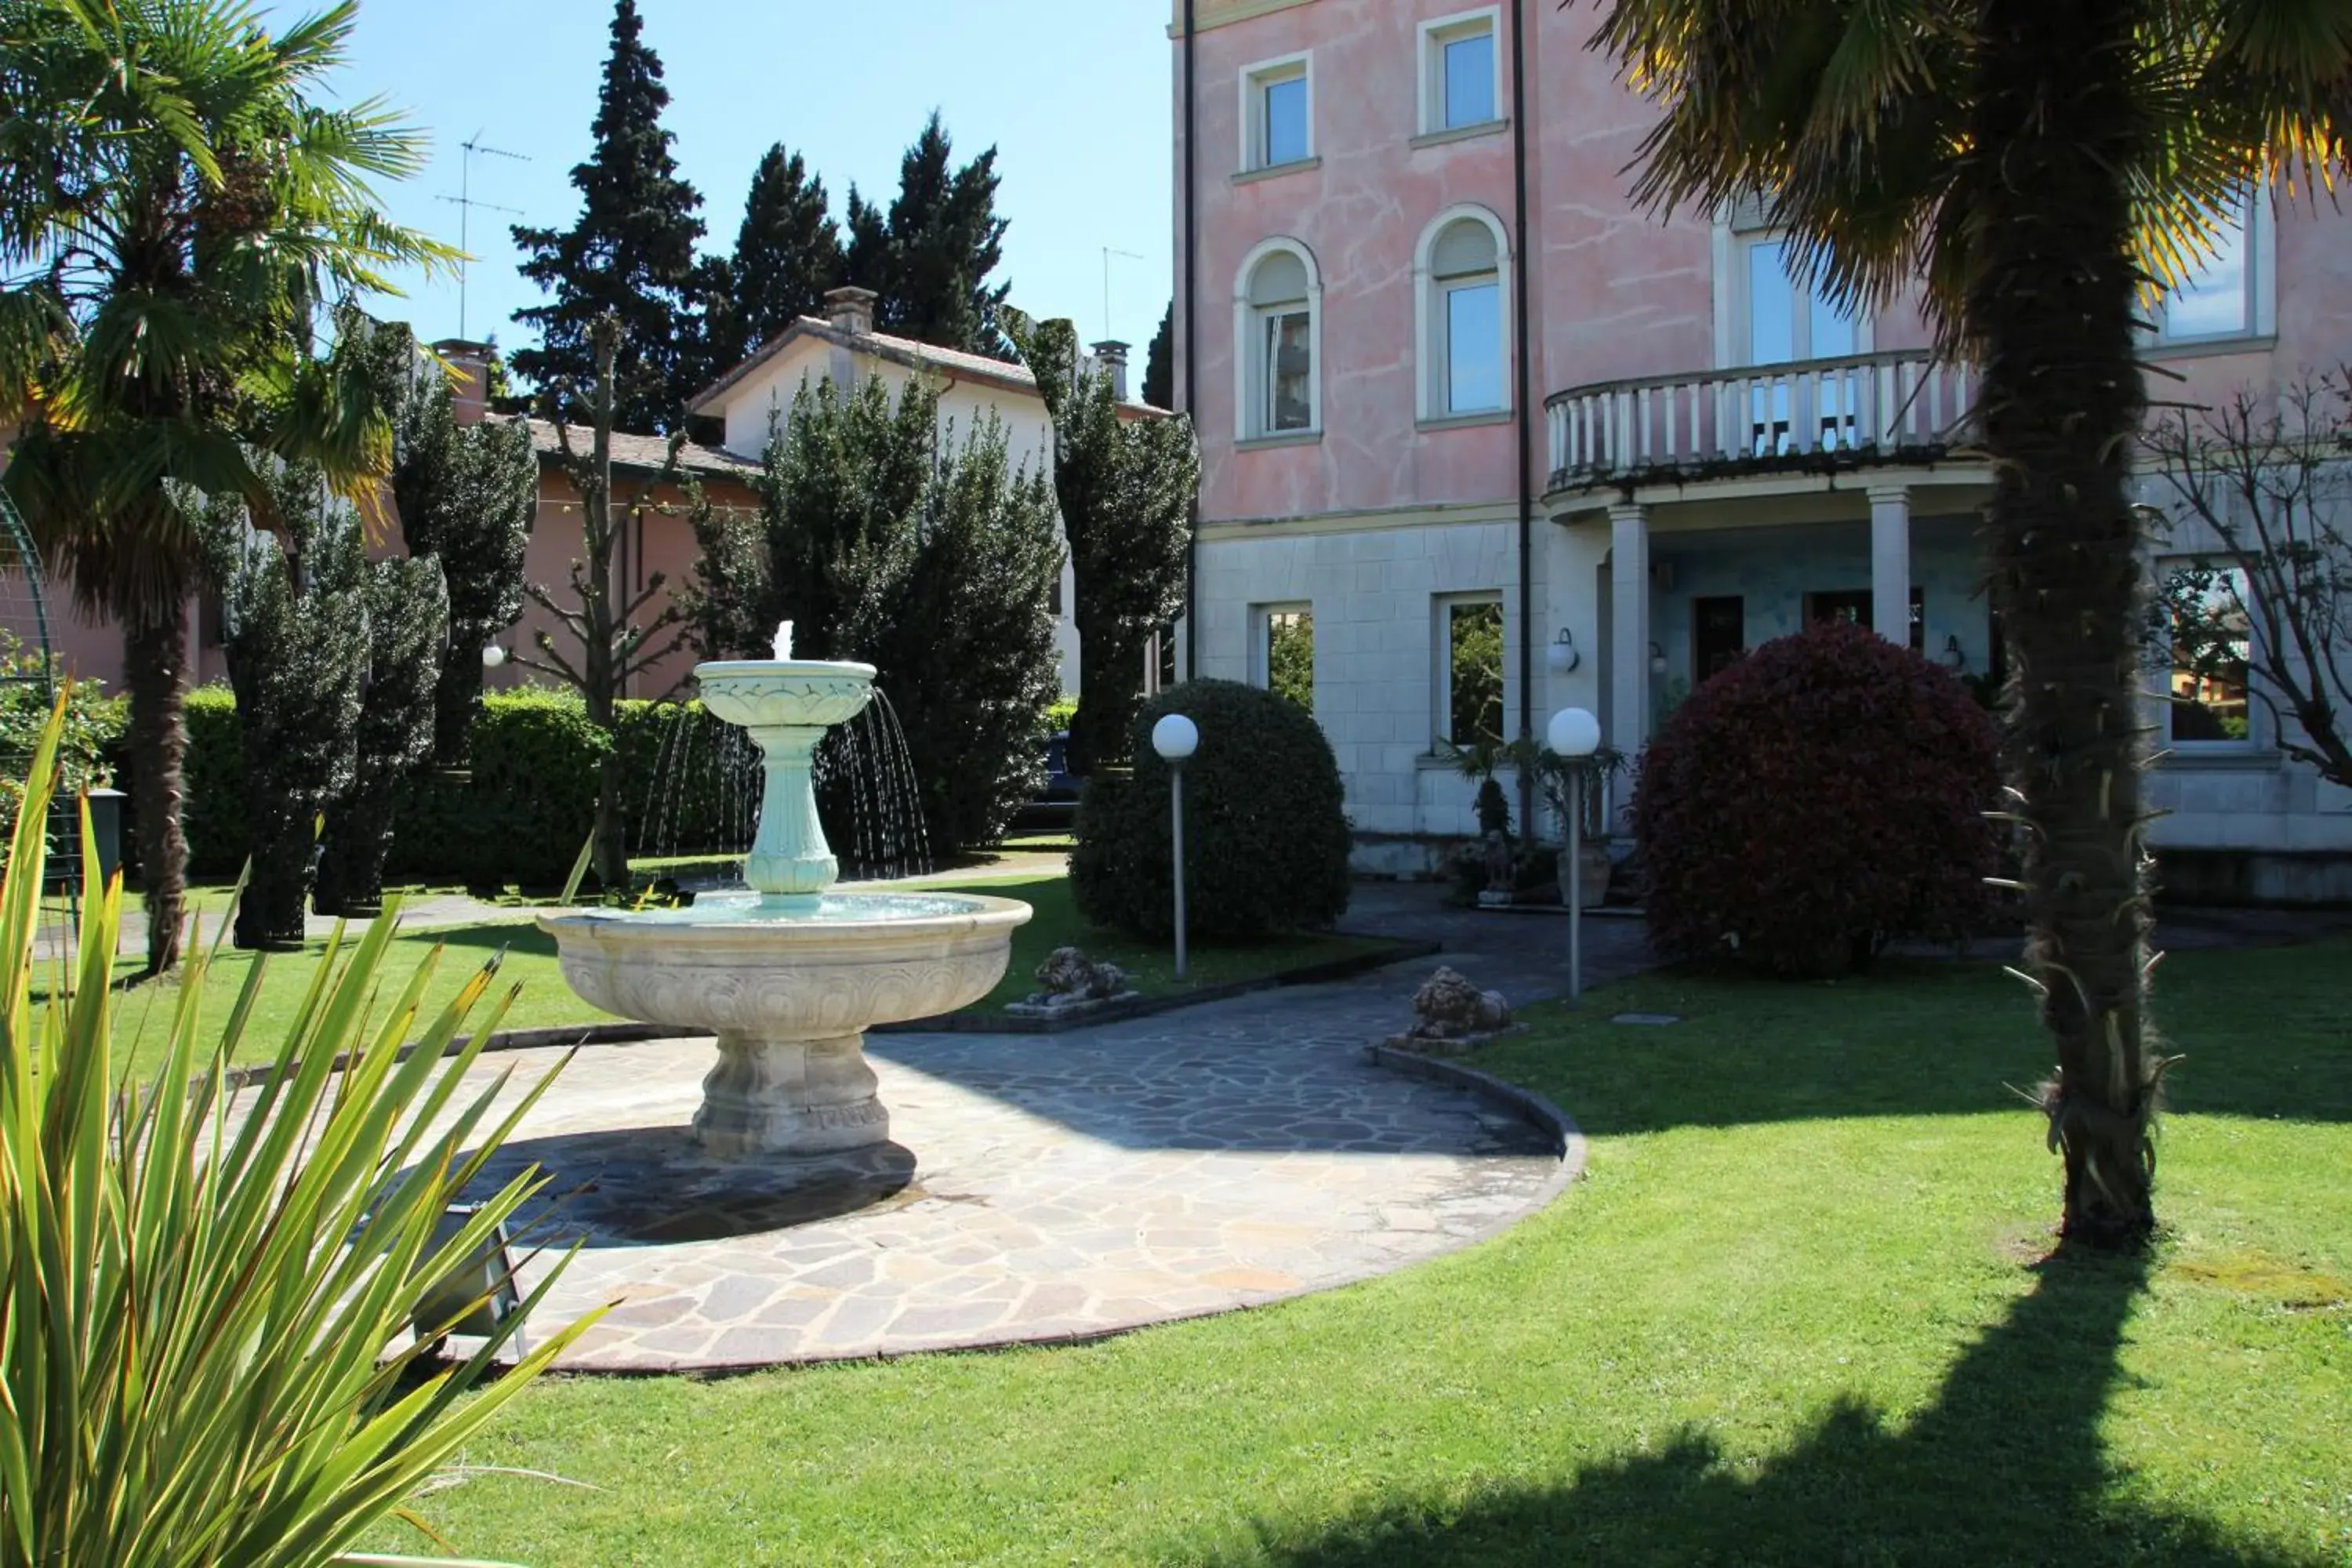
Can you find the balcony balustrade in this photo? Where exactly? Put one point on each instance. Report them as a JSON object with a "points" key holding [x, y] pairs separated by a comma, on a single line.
{"points": [[1901, 406]]}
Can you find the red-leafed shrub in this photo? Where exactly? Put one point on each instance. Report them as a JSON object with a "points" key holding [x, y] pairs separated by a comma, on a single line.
{"points": [[1816, 800]]}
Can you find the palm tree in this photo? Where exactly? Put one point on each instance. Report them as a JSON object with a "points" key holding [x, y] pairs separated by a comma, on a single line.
{"points": [[176, 212], [2035, 167]]}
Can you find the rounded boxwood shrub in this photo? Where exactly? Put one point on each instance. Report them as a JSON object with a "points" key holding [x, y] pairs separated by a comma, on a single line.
{"points": [[1818, 799], [1266, 834]]}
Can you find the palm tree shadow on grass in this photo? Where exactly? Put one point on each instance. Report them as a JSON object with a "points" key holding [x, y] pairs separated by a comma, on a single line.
{"points": [[2006, 1467]]}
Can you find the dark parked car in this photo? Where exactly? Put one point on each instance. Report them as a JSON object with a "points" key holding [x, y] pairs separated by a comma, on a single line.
{"points": [[1055, 806]]}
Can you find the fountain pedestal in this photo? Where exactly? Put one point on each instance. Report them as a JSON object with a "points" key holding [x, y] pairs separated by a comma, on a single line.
{"points": [[788, 976], [811, 1097]]}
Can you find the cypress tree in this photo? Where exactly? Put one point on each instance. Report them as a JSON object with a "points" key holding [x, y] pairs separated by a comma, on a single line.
{"points": [[787, 254], [1159, 363], [465, 495], [297, 648], [631, 253], [931, 257], [1126, 489]]}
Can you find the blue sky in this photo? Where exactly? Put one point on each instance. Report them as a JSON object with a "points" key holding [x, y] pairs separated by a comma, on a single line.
{"points": [[1075, 95]]}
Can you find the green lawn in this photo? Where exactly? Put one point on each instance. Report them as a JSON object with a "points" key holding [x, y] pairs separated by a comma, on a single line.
{"points": [[543, 1000], [1796, 1312]]}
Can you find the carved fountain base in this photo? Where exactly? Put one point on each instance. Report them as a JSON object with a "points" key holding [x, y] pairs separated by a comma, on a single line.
{"points": [[789, 1097]]}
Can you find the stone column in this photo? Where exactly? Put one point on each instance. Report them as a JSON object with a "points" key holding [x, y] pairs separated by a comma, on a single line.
{"points": [[1890, 563], [1629, 632]]}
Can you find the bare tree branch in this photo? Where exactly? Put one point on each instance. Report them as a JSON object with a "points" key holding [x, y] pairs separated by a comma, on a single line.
{"points": [[2265, 599]]}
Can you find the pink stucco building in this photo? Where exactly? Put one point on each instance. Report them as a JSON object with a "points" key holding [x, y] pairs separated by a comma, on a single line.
{"points": [[1450, 380]]}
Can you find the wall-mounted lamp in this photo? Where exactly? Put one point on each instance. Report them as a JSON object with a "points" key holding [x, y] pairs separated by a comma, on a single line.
{"points": [[493, 656], [1561, 658], [1954, 656], [1657, 659]]}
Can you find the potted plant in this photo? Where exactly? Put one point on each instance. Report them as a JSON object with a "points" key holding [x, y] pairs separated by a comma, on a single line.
{"points": [[1557, 778]]}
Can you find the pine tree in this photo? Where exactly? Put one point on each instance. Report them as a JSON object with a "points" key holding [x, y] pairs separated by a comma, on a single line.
{"points": [[787, 254], [1159, 363], [931, 257], [631, 253]]}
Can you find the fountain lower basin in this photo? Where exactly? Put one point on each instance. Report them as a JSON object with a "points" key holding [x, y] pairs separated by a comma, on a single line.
{"points": [[789, 991]]}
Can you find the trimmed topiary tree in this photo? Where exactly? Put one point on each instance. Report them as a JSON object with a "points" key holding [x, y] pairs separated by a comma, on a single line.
{"points": [[1265, 831], [408, 631], [1820, 798]]}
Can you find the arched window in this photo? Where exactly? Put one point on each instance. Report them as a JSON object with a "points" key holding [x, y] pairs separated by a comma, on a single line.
{"points": [[1278, 342], [1464, 319]]}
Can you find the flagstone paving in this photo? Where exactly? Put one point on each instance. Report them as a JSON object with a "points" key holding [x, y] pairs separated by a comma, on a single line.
{"points": [[1037, 1187]]}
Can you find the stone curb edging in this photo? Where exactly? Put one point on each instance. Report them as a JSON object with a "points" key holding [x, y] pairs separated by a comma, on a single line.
{"points": [[1531, 1108], [1119, 1012], [1538, 1111]]}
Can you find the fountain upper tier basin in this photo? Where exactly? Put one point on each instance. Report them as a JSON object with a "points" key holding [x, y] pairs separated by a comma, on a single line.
{"points": [[729, 964], [797, 693]]}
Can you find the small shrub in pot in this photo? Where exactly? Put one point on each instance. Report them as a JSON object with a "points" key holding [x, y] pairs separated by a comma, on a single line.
{"points": [[1820, 798]]}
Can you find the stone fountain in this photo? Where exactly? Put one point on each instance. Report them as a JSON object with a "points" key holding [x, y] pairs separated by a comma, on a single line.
{"points": [[789, 974]]}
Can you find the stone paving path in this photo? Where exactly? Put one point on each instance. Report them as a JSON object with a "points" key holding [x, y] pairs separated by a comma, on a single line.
{"points": [[1047, 1187]]}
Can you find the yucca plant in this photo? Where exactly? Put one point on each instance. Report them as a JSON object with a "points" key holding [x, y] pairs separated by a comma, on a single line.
{"points": [[201, 1291]]}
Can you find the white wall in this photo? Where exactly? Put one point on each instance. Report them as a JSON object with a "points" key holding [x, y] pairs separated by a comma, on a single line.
{"points": [[1372, 584]]}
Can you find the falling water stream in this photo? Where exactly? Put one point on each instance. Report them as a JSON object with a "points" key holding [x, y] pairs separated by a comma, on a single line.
{"points": [[704, 793]]}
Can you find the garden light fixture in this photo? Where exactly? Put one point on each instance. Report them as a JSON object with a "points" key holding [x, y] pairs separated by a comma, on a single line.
{"points": [[1575, 735], [1561, 657], [1175, 737]]}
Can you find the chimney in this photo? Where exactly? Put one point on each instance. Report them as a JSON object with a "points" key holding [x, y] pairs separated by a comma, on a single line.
{"points": [[850, 311], [471, 361], [1110, 356]]}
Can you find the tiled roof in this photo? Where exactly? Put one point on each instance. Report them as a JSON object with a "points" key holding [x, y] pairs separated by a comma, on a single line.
{"points": [[1011, 375], [645, 454]]}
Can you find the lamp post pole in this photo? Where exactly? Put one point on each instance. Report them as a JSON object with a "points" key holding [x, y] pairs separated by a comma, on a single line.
{"points": [[1574, 736], [1176, 738], [1176, 832], [1575, 887]]}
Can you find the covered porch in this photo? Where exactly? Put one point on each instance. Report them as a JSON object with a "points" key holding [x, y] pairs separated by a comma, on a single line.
{"points": [[1666, 589]]}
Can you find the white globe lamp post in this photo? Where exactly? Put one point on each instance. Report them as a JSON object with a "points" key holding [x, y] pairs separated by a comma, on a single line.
{"points": [[1176, 738], [1574, 734]]}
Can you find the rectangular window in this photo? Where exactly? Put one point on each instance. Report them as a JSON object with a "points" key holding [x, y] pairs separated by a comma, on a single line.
{"points": [[1460, 84], [2211, 635], [1470, 80], [1287, 658], [1277, 113], [1474, 347], [1286, 121], [2217, 300], [1471, 680], [1289, 372]]}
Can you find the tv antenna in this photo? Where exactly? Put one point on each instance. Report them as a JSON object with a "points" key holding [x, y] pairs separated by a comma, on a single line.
{"points": [[1109, 251], [465, 203]]}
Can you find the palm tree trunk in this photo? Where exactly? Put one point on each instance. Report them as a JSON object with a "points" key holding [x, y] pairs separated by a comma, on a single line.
{"points": [[2052, 306], [155, 674]]}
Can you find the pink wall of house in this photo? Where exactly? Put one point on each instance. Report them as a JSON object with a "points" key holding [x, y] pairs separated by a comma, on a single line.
{"points": [[1360, 212], [1615, 292]]}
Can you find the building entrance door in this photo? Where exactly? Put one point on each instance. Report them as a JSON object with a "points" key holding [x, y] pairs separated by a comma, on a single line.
{"points": [[1718, 634]]}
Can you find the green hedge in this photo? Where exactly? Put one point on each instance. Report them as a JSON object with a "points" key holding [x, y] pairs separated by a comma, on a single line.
{"points": [[529, 801]]}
